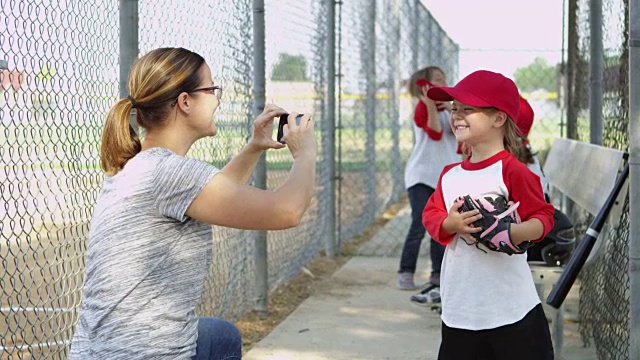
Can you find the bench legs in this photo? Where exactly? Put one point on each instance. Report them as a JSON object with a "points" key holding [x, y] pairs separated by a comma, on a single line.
{"points": [[543, 278]]}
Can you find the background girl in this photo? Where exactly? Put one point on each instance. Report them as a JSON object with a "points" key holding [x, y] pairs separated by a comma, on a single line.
{"points": [[434, 147]]}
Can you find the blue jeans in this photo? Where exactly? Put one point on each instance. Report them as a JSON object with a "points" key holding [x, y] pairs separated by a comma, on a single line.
{"points": [[418, 196], [218, 340]]}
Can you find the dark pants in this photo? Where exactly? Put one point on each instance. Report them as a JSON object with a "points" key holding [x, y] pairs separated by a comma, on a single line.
{"points": [[418, 196], [527, 339], [218, 340]]}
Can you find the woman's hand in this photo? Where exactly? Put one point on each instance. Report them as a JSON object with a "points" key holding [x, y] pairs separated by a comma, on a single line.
{"points": [[263, 129], [461, 223], [300, 138]]}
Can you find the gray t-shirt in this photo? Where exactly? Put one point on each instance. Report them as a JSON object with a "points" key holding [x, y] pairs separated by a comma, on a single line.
{"points": [[145, 263]]}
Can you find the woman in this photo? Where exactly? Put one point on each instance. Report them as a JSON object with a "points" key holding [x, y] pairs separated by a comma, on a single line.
{"points": [[150, 242]]}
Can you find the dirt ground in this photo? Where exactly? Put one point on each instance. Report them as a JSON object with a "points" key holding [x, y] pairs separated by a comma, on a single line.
{"points": [[287, 297]]}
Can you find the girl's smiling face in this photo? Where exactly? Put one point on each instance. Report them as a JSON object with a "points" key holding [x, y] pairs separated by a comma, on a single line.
{"points": [[474, 125]]}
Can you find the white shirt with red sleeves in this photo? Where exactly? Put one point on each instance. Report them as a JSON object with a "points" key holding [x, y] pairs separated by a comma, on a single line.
{"points": [[431, 150], [483, 289]]}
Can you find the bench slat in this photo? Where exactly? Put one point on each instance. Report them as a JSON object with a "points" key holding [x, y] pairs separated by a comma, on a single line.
{"points": [[584, 172]]}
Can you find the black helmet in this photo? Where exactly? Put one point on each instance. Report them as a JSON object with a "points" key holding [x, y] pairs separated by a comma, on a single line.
{"points": [[555, 249]]}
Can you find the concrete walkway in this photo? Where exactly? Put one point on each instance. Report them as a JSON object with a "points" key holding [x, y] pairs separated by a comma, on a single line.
{"points": [[359, 314]]}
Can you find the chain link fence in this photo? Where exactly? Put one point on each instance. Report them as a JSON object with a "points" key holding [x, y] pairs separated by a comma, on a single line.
{"points": [[296, 71], [61, 77], [604, 282], [61, 61], [377, 110]]}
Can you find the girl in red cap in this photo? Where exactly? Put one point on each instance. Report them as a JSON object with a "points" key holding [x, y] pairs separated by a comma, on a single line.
{"points": [[434, 147], [490, 307]]}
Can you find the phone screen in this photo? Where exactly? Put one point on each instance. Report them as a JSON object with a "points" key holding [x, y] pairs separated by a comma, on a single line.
{"points": [[282, 122]]}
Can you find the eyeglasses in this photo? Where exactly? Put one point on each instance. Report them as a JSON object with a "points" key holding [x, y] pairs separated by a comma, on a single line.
{"points": [[215, 90]]}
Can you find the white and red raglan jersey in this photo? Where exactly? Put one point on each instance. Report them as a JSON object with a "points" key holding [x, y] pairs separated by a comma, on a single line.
{"points": [[483, 289], [431, 150]]}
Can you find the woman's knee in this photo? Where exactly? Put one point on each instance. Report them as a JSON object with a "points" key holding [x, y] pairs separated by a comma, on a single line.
{"points": [[222, 329], [231, 332], [218, 339]]}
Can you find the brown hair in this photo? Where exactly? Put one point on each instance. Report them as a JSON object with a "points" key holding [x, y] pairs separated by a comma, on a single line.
{"points": [[155, 81], [523, 152], [513, 142], [425, 73]]}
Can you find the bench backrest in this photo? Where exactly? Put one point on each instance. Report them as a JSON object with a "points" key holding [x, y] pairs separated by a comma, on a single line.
{"points": [[584, 172]]}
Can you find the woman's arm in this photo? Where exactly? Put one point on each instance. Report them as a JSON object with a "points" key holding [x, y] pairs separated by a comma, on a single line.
{"points": [[225, 201], [242, 165]]}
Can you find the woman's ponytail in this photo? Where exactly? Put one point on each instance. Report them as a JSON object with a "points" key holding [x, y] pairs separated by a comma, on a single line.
{"points": [[120, 142], [155, 81]]}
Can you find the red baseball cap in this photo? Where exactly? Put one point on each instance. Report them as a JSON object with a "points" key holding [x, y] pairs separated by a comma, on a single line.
{"points": [[525, 117], [482, 88]]}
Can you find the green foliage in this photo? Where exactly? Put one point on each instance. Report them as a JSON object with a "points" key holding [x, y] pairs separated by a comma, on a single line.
{"points": [[47, 73], [290, 68], [538, 75]]}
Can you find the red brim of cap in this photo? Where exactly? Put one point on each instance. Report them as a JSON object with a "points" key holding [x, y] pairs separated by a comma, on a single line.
{"points": [[451, 93]]}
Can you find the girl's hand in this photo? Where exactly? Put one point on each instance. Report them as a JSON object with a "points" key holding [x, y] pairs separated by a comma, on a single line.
{"points": [[263, 129], [444, 104], [423, 97], [461, 223], [300, 138]]}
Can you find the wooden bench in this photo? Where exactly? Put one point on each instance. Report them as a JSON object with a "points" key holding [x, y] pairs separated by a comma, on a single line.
{"points": [[585, 174]]}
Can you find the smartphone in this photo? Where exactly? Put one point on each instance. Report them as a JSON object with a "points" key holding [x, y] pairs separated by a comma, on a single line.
{"points": [[283, 121], [423, 83]]}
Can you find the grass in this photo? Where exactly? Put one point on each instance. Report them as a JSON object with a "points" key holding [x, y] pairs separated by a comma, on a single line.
{"points": [[39, 148]]}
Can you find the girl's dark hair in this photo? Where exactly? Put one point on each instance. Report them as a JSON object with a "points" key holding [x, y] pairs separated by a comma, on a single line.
{"points": [[425, 73], [155, 81]]}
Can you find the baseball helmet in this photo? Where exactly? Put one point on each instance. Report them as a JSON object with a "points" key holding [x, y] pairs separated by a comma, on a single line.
{"points": [[556, 248]]}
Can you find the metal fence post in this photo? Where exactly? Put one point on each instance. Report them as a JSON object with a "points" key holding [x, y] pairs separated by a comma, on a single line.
{"points": [[369, 64], [415, 36], [260, 173], [128, 46], [596, 72], [396, 162], [329, 142], [634, 187], [572, 64]]}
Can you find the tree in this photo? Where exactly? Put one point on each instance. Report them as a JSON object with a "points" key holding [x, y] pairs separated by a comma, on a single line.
{"points": [[536, 76], [289, 68]]}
